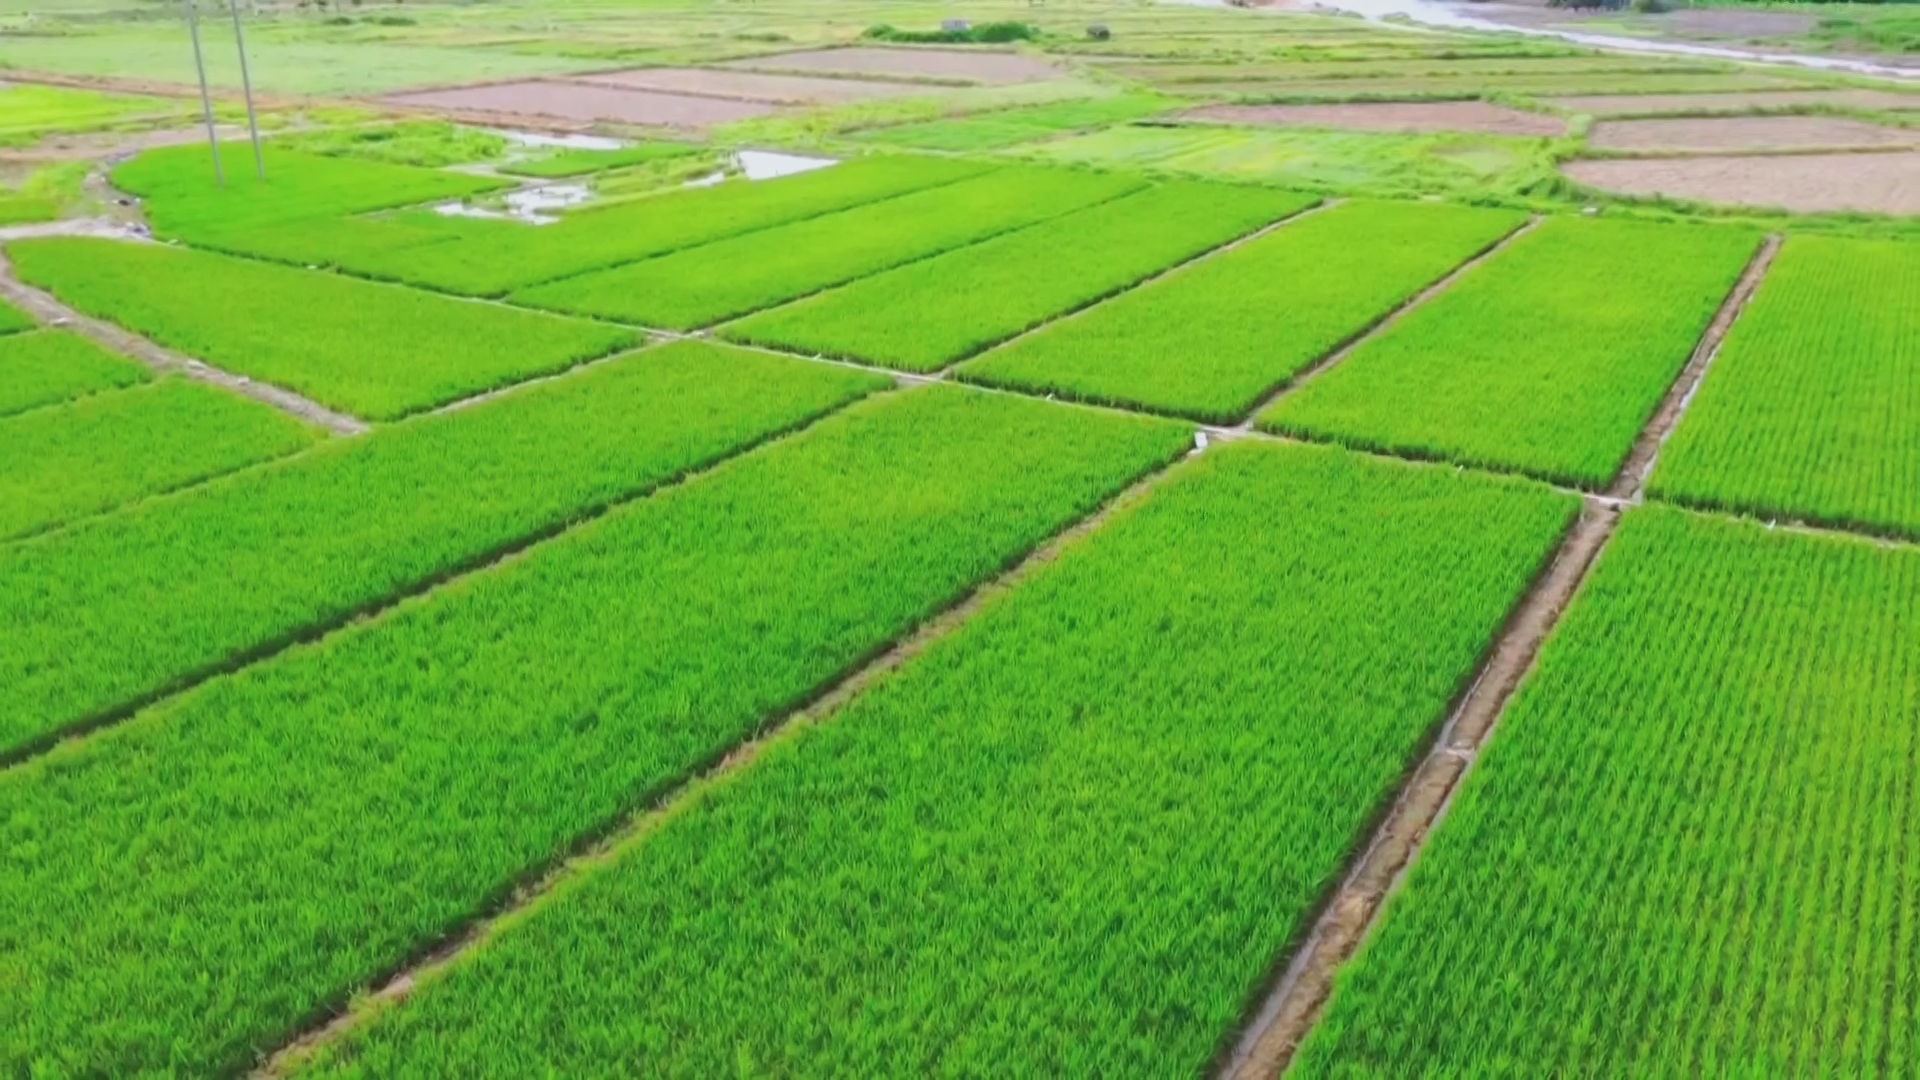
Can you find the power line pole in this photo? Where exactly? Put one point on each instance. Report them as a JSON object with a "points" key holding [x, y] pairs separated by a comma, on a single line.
{"points": [[246, 87], [206, 101]]}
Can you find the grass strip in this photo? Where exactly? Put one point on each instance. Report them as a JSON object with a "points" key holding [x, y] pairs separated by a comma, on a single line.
{"points": [[1010, 127], [1547, 359], [1812, 409], [115, 612], [1070, 840], [376, 351], [1689, 849], [191, 885], [492, 258], [930, 313], [68, 461], [565, 163], [704, 285], [50, 366], [1213, 340]]}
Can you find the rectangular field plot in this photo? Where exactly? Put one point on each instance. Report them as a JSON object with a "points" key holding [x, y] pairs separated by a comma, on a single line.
{"points": [[717, 281], [1812, 409], [377, 351], [216, 897], [492, 258], [1546, 359], [50, 366], [68, 461], [117, 611], [930, 313], [1213, 339], [1071, 840], [1690, 848]]}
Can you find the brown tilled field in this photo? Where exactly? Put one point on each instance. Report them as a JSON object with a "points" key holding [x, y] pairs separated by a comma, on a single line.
{"points": [[587, 103], [1655, 104], [1806, 183], [1749, 134]]}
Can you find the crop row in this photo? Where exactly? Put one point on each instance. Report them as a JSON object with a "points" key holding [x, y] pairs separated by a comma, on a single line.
{"points": [[118, 610], [46, 367], [377, 351], [71, 460], [1812, 410], [707, 284], [1548, 358], [178, 895], [928, 314], [1010, 127], [1070, 840], [480, 257], [1214, 339], [1690, 849]]}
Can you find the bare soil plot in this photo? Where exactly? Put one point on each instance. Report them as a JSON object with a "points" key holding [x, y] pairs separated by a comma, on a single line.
{"points": [[580, 101], [751, 85], [954, 65], [1807, 183], [1654, 104], [1748, 133], [1401, 116]]}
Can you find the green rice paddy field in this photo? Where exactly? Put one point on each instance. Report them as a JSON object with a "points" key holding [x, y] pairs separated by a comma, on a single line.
{"points": [[966, 610]]}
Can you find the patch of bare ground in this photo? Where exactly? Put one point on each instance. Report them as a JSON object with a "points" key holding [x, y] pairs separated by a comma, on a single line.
{"points": [[1402, 116], [925, 65], [1288, 1013], [586, 103], [1657, 104], [752, 85], [1748, 134], [1883, 183]]}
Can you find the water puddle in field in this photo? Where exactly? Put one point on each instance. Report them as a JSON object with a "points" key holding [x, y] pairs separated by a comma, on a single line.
{"points": [[530, 205], [763, 165]]}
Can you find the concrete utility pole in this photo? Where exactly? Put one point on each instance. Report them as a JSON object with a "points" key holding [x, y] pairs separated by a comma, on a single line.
{"points": [[206, 100], [246, 87]]}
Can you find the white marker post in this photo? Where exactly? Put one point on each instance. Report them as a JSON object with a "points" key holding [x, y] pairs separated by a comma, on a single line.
{"points": [[206, 101]]}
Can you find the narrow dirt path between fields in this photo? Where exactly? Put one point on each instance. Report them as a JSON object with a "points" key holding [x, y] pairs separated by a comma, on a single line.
{"points": [[1289, 1011], [1380, 325], [601, 848], [1632, 481], [51, 312]]}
